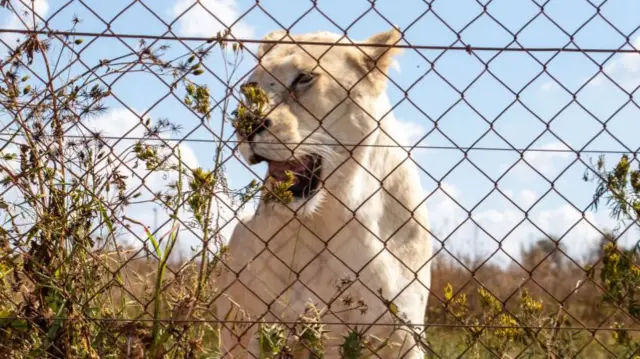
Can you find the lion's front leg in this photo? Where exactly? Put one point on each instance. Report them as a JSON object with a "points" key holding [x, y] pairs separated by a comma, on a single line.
{"points": [[233, 318], [234, 345]]}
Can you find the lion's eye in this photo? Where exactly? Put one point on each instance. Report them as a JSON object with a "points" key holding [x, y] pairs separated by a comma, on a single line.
{"points": [[303, 79]]}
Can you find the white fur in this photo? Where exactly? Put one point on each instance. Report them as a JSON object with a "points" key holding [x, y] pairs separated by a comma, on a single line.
{"points": [[340, 230]]}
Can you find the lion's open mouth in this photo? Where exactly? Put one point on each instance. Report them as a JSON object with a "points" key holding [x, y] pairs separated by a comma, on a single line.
{"points": [[306, 172]]}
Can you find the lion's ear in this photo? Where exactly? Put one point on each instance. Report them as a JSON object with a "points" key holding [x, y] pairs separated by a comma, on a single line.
{"points": [[376, 60], [382, 56], [272, 36]]}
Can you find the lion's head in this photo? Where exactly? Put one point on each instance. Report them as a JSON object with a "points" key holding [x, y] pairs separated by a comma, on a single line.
{"points": [[321, 101]]}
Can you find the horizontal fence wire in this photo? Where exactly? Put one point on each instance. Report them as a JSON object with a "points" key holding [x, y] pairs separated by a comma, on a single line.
{"points": [[467, 48], [206, 140], [437, 325]]}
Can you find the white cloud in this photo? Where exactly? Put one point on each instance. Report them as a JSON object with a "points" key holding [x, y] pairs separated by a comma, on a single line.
{"points": [[545, 158], [412, 132], [559, 220], [549, 86], [451, 190], [22, 19], [405, 133], [9, 148], [624, 69], [395, 64], [475, 241], [506, 226], [444, 214], [527, 198], [555, 149], [11, 194], [631, 62], [199, 21], [122, 122]]}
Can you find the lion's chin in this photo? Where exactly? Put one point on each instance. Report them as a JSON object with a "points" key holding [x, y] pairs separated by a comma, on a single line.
{"points": [[304, 207]]}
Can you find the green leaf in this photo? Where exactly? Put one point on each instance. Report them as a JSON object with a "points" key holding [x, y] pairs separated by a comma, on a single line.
{"points": [[393, 308], [448, 291], [155, 243], [107, 221]]}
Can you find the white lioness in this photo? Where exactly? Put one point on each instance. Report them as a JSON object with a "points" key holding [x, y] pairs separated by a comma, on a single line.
{"points": [[356, 212]]}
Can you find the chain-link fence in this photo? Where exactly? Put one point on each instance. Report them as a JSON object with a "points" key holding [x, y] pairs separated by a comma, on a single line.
{"points": [[234, 178]]}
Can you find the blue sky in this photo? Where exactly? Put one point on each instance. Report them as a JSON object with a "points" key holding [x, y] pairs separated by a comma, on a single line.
{"points": [[545, 118]]}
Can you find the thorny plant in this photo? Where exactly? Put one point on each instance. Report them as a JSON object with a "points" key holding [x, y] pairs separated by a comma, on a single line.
{"points": [[619, 270], [514, 332], [278, 341], [68, 287], [532, 328], [250, 113], [247, 118], [620, 188], [279, 190]]}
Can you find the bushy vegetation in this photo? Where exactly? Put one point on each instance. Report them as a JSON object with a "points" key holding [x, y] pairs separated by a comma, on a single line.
{"points": [[549, 306]]}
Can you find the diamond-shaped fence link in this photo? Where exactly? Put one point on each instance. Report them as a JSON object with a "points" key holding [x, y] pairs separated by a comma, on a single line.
{"points": [[461, 181]]}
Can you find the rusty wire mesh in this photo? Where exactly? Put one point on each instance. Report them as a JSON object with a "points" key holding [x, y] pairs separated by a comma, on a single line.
{"points": [[154, 228]]}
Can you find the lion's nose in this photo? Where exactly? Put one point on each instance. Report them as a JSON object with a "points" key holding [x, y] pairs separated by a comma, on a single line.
{"points": [[261, 128]]}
